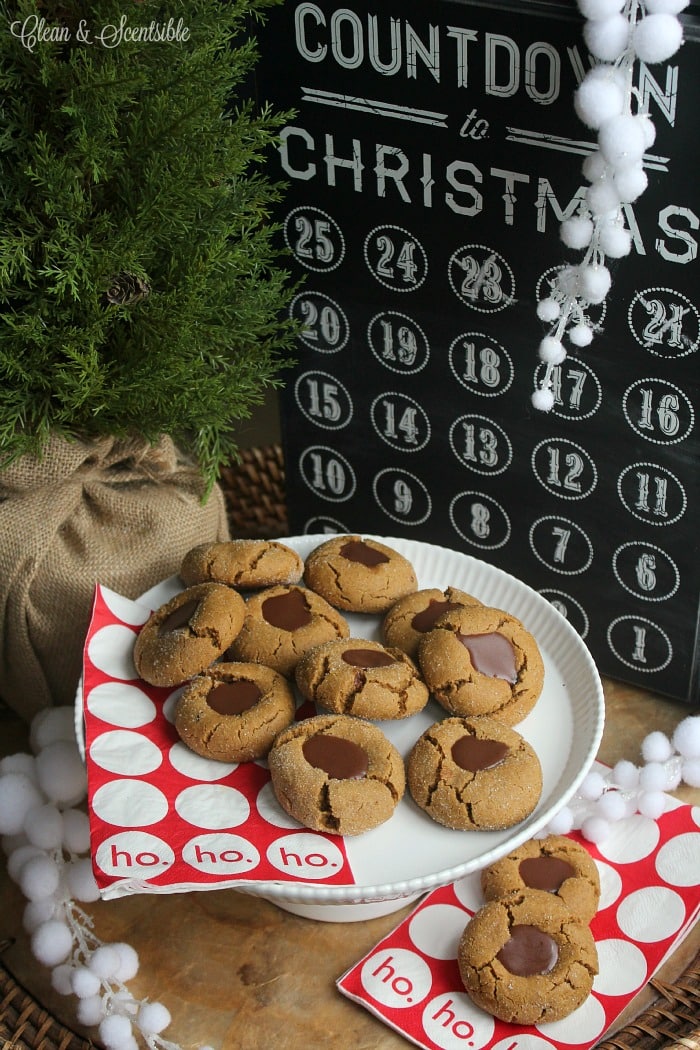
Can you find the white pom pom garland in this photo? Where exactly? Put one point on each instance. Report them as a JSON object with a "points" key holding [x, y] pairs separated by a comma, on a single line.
{"points": [[543, 399], [52, 942]]}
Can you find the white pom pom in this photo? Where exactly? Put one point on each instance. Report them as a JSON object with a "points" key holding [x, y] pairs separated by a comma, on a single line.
{"points": [[90, 1011], [128, 961], [17, 860], [85, 983], [19, 763], [691, 772], [51, 942], [626, 775], [581, 335], [607, 38], [76, 831], [81, 880], [657, 37], [18, 794], [615, 241], [671, 7], [116, 1032], [152, 1018], [576, 232], [39, 877], [592, 786], [648, 129], [630, 183], [562, 822], [595, 829], [37, 912], [43, 826], [597, 99], [652, 777], [602, 197], [621, 141], [595, 283], [548, 310], [600, 8], [686, 737], [551, 351], [611, 806], [543, 399], [656, 747], [104, 961], [61, 979], [61, 772], [50, 725], [594, 167], [652, 804]]}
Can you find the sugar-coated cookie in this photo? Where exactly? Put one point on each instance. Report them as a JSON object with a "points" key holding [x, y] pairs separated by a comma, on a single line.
{"points": [[479, 660], [555, 864], [187, 633], [359, 575], [355, 676], [233, 711], [474, 774], [336, 773], [281, 623], [527, 959], [245, 564], [412, 616]]}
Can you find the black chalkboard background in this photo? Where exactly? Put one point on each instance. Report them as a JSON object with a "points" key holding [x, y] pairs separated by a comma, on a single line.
{"points": [[434, 153]]}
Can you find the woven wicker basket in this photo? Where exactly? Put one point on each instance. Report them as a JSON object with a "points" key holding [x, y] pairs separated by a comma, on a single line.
{"points": [[254, 490]]}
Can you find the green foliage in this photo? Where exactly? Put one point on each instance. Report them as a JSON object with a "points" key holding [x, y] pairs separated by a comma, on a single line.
{"points": [[136, 166]]}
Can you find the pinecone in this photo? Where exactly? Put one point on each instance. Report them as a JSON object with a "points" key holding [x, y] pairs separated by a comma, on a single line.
{"points": [[126, 290]]}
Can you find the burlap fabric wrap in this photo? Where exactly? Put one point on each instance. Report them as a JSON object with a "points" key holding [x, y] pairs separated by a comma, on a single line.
{"points": [[120, 513]]}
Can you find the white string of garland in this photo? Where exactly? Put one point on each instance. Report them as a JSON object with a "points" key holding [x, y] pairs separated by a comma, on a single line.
{"points": [[617, 33]]}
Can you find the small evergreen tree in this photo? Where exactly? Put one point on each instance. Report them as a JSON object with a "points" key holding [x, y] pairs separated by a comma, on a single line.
{"points": [[140, 288]]}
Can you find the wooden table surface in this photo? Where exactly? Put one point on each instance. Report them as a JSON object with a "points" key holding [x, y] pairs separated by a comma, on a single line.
{"points": [[239, 973]]}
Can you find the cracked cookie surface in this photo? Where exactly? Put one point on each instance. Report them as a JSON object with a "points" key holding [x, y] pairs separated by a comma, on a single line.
{"points": [[557, 864], [527, 959], [246, 564], [233, 711], [474, 774], [281, 623], [412, 616], [359, 575], [356, 676], [479, 660], [188, 633], [317, 786]]}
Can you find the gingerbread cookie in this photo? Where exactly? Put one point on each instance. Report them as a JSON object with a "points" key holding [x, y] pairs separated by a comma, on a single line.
{"points": [[281, 623], [336, 773], [359, 575], [355, 676], [411, 617], [245, 564], [479, 660], [527, 959], [474, 774], [233, 711], [186, 634], [556, 864]]}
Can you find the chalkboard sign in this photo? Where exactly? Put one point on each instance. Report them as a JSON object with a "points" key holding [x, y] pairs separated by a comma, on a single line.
{"points": [[433, 155]]}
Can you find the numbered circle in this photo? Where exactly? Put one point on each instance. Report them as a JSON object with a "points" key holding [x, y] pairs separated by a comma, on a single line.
{"points": [[481, 278], [564, 468], [323, 400], [658, 411], [480, 445], [556, 283], [327, 473], [480, 364], [400, 421], [402, 496], [646, 571], [664, 322], [569, 608], [652, 493], [561, 545], [395, 258], [324, 325], [480, 520], [398, 342], [640, 644], [322, 523], [314, 238], [576, 388]]}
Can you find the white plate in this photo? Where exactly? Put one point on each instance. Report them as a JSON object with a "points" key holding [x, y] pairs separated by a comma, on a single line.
{"points": [[410, 853]]}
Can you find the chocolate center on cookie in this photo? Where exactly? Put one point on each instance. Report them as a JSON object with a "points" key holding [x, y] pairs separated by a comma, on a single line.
{"points": [[426, 619], [341, 759], [473, 754], [367, 658], [287, 611], [528, 951], [179, 617], [491, 654], [233, 698], [359, 551], [545, 873]]}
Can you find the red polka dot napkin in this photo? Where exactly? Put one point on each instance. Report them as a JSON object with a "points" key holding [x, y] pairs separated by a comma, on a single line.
{"points": [[650, 897]]}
